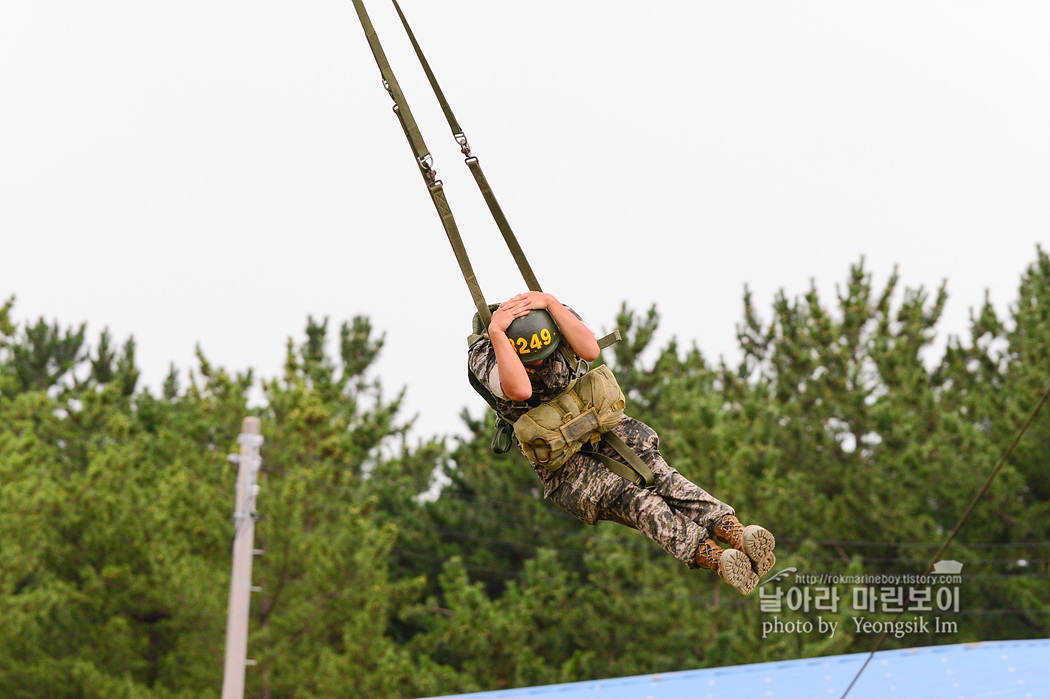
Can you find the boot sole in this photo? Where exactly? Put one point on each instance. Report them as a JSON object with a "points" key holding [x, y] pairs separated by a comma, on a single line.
{"points": [[758, 545], [735, 569], [765, 566]]}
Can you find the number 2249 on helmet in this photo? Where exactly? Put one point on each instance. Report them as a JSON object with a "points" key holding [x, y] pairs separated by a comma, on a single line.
{"points": [[535, 336]]}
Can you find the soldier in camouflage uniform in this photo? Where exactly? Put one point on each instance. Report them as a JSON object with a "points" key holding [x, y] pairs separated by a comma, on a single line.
{"points": [[679, 516]]}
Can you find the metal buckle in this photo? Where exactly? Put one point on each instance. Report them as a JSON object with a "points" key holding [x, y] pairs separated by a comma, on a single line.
{"points": [[541, 443], [427, 166], [464, 147]]}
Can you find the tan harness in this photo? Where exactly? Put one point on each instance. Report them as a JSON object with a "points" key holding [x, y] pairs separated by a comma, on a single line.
{"points": [[584, 413]]}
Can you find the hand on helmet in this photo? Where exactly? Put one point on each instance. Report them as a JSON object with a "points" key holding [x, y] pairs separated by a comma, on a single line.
{"points": [[517, 307]]}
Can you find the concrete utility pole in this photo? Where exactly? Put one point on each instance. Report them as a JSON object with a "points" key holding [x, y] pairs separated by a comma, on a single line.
{"points": [[243, 543]]}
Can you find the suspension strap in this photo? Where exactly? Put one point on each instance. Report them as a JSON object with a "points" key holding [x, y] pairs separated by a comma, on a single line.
{"points": [[472, 163], [424, 161], [433, 184]]}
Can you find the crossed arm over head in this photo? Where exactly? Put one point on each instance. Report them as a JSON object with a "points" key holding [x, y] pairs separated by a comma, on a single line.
{"points": [[513, 378]]}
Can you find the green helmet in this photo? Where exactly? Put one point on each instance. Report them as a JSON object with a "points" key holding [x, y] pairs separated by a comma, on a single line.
{"points": [[535, 336]]}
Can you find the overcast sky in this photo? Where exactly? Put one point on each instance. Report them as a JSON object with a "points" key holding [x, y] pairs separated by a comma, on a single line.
{"points": [[214, 172]]}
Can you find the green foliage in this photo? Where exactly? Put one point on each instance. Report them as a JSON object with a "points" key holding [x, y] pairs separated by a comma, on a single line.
{"points": [[397, 570]]}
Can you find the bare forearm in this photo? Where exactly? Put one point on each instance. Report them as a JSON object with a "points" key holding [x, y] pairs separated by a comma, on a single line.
{"points": [[574, 331], [512, 376]]}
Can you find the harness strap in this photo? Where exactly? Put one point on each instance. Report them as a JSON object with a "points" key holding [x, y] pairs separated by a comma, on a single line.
{"points": [[634, 471], [434, 185], [609, 339], [472, 163], [504, 430], [424, 161], [449, 116], [415, 138], [437, 194]]}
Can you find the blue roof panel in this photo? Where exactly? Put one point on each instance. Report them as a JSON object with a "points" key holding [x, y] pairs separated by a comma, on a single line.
{"points": [[999, 669]]}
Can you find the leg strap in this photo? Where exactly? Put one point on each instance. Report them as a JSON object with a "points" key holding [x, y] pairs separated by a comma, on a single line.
{"points": [[634, 471]]}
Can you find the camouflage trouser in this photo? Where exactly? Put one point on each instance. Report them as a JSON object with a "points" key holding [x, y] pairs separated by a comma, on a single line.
{"points": [[676, 514]]}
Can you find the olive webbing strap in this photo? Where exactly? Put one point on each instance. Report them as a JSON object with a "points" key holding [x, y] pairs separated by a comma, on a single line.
{"points": [[451, 230], [449, 116], [475, 167], [390, 82], [634, 471], [610, 339], [423, 160], [501, 222]]}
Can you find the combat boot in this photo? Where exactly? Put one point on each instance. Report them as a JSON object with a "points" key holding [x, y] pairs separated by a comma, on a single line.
{"points": [[753, 540], [733, 566]]}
